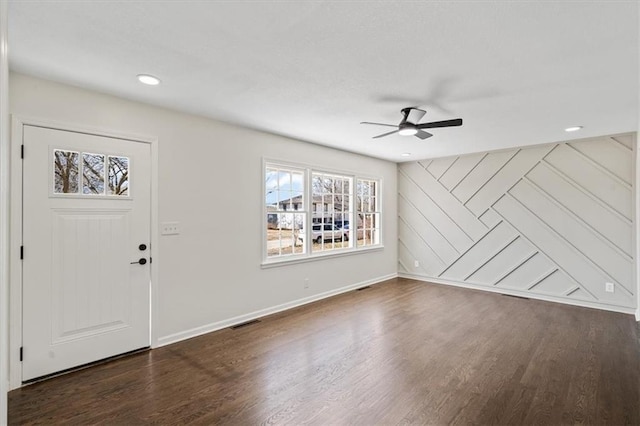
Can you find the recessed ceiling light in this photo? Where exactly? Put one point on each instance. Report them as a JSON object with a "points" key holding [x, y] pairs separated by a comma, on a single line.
{"points": [[573, 129], [406, 154], [148, 79]]}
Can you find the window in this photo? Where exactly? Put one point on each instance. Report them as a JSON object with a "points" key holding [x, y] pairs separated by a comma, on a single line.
{"points": [[118, 176], [332, 191], [65, 166], [312, 212], [367, 213], [92, 173], [87, 177], [284, 201]]}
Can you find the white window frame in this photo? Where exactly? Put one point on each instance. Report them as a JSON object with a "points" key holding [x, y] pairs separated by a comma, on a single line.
{"points": [[376, 211], [308, 254], [304, 210], [326, 211]]}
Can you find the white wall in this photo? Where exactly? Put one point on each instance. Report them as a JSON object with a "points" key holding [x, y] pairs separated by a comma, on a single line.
{"points": [[551, 221], [210, 180]]}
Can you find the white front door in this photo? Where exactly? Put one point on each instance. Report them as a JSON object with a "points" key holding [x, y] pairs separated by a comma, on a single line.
{"points": [[86, 218]]}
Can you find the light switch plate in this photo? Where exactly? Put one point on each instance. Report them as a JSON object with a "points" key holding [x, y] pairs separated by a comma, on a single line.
{"points": [[170, 228]]}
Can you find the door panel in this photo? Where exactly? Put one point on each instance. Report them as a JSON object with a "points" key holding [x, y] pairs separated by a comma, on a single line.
{"points": [[86, 211], [89, 272]]}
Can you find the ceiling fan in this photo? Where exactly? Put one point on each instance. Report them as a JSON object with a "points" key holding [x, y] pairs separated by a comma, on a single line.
{"points": [[409, 125]]}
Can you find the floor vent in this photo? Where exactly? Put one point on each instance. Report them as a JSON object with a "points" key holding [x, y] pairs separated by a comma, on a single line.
{"points": [[517, 297], [244, 324], [363, 288]]}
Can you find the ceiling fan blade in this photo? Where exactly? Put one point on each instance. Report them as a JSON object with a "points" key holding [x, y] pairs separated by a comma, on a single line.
{"points": [[445, 123], [379, 124], [423, 135], [385, 134]]}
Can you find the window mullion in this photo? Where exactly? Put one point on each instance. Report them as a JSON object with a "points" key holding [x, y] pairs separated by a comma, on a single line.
{"points": [[309, 219]]}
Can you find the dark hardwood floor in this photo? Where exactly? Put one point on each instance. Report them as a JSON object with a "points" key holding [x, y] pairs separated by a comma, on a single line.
{"points": [[401, 352]]}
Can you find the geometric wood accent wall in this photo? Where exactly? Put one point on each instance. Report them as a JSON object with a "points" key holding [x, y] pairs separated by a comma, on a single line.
{"points": [[549, 220]]}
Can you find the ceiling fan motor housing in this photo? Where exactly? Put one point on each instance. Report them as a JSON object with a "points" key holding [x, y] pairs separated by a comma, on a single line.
{"points": [[407, 125], [412, 115]]}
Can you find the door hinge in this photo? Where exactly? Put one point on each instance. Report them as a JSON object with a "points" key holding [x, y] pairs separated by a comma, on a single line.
{"points": [[22, 151], [21, 353], [21, 252]]}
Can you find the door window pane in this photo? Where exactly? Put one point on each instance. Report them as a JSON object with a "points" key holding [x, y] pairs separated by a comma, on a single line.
{"points": [[92, 174], [65, 166], [118, 176]]}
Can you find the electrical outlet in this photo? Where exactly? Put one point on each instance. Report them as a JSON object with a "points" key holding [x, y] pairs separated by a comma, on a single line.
{"points": [[306, 283], [416, 263], [170, 228], [609, 287]]}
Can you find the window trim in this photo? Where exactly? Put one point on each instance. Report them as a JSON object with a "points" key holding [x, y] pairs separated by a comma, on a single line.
{"points": [[305, 208], [308, 255], [378, 207]]}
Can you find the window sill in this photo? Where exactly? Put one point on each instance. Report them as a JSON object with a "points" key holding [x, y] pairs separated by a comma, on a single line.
{"points": [[283, 262]]}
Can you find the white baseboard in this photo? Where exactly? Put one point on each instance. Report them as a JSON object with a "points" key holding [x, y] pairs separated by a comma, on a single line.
{"points": [[526, 294], [208, 328], [638, 315]]}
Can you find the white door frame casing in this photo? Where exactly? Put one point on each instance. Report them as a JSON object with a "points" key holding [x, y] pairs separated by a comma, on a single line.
{"points": [[636, 227], [5, 202], [15, 279]]}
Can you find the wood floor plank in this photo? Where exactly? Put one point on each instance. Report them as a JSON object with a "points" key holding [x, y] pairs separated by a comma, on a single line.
{"points": [[401, 352]]}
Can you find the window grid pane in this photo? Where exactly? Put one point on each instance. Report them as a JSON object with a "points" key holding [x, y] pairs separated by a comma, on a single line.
{"points": [[368, 215], [118, 177], [92, 173], [65, 171], [285, 208], [327, 233]]}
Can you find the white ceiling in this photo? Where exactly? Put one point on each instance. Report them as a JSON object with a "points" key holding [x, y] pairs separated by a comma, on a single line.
{"points": [[518, 73]]}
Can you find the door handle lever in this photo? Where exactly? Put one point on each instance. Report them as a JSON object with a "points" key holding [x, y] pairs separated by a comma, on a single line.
{"points": [[142, 261]]}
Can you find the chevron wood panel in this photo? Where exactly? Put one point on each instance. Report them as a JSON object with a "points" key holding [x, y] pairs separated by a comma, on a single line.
{"points": [[429, 261], [445, 201], [439, 166], [481, 174], [576, 233], [614, 227], [593, 178], [449, 229], [459, 170], [435, 241], [553, 220], [504, 178], [613, 155]]}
